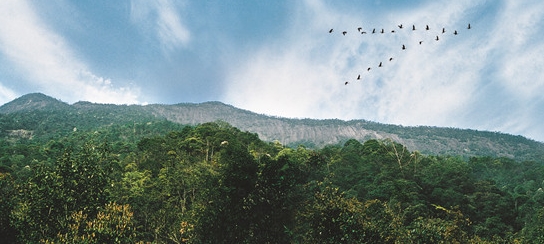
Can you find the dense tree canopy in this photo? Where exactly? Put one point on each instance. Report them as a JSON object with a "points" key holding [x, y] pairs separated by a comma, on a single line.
{"points": [[213, 183]]}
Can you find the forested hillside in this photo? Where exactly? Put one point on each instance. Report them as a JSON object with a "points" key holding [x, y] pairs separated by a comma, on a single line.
{"points": [[40, 115], [160, 182]]}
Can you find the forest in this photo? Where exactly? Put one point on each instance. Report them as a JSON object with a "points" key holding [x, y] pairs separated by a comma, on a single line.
{"points": [[160, 182]]}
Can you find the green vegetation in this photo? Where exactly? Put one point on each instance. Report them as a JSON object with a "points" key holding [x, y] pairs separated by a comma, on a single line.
{"points": [[78, 174], [213, 183], [40, 116]]}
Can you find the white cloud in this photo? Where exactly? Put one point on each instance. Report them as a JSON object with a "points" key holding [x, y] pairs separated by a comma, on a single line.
{"points": [[6, 94], [48, 62], [161, 18], [438, 83]]}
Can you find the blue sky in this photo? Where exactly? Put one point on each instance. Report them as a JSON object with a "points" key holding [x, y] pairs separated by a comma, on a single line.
{"points": [[277, 57]]}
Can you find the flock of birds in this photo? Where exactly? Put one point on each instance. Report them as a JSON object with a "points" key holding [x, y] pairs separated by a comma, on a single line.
{"points": [[400, 27]]}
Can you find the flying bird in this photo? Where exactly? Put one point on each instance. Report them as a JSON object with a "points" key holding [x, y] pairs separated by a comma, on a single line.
{"points": [[373, 30], [427, 27], [403, 47], [413, 27], [359, 77], [380, 65], [420, 42], [391, 59], [455, 32], [363, 32], [346, 83], [436, 38], [392, 31], [443, 30], [368, 69], [382, 31], [468, 26], [359, 29], [344, 33], [400, 26], [331, 31]]}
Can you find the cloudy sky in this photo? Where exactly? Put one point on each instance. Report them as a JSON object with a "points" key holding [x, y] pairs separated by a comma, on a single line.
{"points": [[278, 57]]}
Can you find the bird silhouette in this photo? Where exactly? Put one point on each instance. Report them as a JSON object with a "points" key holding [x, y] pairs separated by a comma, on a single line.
{"points": [[380, 65], [427, 27], [400, 26], [413, 27], [391, 59], [392, 31], [363, 32], [359, 77], [331, 31], [436, 38], [420, 42], [368, 69], [382, 31], [403, 47], [359, 29], [455, 32], [373, 31], [346, 83], [443, 30], [468, 26], [344, 33]]}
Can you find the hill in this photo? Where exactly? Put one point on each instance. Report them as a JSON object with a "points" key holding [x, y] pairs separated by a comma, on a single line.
{"points": [[49, 115]]}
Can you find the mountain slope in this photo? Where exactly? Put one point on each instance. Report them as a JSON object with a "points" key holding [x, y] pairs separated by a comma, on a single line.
{"points": [[292, 132], [429, 140], [33, 101]]}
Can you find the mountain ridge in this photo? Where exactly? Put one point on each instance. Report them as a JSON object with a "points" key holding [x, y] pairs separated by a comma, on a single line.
{"points": [[293, 132]]}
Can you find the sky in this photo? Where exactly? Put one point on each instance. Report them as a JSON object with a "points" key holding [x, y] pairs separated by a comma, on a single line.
{"points": [[278, 57]]}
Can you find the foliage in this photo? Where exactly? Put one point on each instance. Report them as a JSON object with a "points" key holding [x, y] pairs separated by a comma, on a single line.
{"points": [[112, 224], [213, 183]]}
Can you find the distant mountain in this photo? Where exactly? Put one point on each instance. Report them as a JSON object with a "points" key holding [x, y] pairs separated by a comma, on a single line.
{"points": [[31, 102], [291, 132]]}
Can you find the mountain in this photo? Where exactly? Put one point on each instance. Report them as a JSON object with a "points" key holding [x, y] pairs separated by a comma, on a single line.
{"points": [[291, 132], [33, 101]]}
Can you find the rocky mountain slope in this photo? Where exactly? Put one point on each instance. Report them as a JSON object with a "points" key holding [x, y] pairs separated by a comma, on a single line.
{"points": [[292, 132]]}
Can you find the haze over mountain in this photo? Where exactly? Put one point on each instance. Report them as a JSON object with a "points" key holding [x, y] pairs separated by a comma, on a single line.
{"points": [[293, 132]]}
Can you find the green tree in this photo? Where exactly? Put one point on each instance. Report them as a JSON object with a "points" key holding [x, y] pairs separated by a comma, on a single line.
{"points": [[79, 181], [112, 224]]}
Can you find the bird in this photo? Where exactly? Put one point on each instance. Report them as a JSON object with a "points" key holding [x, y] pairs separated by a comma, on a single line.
{"points": [[468, 26], [368, 69], [363, 32], [403, 47], [427, 27], [391, 59], [382, 31], [392, 31], [455, 32], [359, 29], [400, 26], [380, 65], [413, 27], [344, 33], [359, 77], [373, 31], [331, 31], [420, 42], [346, 83], [436, 38], [443, 30]]}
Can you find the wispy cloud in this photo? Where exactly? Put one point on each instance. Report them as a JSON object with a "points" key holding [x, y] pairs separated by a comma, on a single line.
{"points": [[458, 81], [48, 62], [6, 94], [162, 19]]}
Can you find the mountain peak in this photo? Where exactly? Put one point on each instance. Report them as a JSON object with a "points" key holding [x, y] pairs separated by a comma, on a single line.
{"points": [[32, 101]]}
